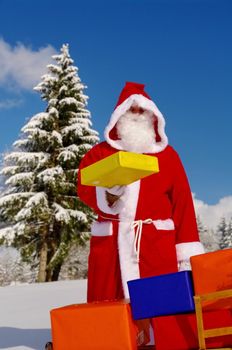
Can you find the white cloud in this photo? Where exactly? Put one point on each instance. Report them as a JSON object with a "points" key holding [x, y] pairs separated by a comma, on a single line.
{"points": [[10, 103], [211, 214], [21, 66]]}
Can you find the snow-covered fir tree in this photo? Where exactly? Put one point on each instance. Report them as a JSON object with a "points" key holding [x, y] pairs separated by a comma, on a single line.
{"points": [[75, 265], [229, 234], [226, 233], [12, 270], [39, 207], [207, 236], [222, 233]]}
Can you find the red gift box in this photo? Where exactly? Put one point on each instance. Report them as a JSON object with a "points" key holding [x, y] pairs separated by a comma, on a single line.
{"points": [[179, 332]]}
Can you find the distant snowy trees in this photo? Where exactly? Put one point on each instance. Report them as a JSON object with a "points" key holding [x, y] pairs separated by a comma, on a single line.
{"points": [[12, 269], [39, 209], [220, 238], [229, 234], [208, 237], [225, 232]]}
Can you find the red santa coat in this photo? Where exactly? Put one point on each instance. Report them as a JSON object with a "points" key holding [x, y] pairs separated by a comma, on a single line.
{"points": [[152, 227]]}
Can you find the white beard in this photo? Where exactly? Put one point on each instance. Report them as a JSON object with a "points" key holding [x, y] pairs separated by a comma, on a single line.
{"points": [[136, 132]]}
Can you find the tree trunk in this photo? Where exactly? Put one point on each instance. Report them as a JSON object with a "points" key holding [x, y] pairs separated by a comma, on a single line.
{"points": [[43, 263], [56, 272], [51, 252], [48, 275]]}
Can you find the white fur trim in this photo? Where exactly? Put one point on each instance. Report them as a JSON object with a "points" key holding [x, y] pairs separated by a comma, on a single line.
{"points": [[116, 190], [101, 229], [143, 102], [185, 250], [167, 224], [184, 265], [102, 202], [128, 263]]}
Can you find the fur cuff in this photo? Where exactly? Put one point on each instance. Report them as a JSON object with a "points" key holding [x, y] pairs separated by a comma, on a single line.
{"points": [[103, 204], [116, 190], [101, 229], [185, 250]]}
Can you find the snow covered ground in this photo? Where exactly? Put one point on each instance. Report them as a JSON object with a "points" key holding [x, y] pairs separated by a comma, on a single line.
{"points": [[24, 311]]}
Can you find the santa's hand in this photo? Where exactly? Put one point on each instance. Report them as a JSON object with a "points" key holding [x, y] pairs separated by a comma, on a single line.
{"points": [[113, 194]]}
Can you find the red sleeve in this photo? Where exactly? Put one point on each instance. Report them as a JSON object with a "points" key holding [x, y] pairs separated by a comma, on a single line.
{"points": [[182, 204]]}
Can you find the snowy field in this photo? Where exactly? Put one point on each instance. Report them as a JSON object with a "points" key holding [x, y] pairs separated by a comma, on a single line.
{"points": [[24, 311]]}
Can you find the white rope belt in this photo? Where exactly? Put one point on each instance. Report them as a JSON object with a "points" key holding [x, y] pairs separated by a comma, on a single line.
{"points": [[137, 225]]}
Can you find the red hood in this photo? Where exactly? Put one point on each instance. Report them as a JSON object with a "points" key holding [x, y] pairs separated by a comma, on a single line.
{"points": [[134, 93]]}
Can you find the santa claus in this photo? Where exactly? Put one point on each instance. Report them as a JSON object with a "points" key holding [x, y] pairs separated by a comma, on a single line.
{"points": [[146, 228]]}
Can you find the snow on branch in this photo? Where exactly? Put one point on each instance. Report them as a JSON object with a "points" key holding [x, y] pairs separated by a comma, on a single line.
{"points": [[78, 120], [13, 197], [9, 170], [37, 132], [66, 155], [73, 69], [85, 147], [36, 121], [50, 175], [53, 111], [61, 214], [84, 113], [7, 234], [57, 137], [65, 215], [63, 89], [39, 199], [33, 123], [54, 69], [90, 138], [91, 131], [78, 215], [20, 143], [73, 148], [75, 128], [28, 157], [70, 101], [26, 177], [20, 227]]}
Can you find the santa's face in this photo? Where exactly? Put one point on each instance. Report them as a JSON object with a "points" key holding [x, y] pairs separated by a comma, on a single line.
{"points": [[136, 130]]}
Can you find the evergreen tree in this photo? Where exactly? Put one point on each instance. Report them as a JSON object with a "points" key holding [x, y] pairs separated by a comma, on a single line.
{"points": [[222, 233], [207, 237], [40, 209], [12, 270], [229, 234]]}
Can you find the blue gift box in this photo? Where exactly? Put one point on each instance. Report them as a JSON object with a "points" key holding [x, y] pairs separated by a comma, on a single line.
{"points": [[161, 295]]}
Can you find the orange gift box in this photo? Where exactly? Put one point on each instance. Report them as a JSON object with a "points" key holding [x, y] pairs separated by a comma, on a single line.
{"points": [[179, 332], [98, 325], [213, 272]]}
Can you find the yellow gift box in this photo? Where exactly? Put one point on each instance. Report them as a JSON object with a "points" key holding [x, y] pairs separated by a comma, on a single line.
{"points": [[121, 168]]}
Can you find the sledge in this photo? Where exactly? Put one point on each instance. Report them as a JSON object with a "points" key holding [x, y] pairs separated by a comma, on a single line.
{"points": [[48, 346]]}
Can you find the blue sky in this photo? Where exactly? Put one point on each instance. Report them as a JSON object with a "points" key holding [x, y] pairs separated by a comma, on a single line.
{"points": [[180, 49]]}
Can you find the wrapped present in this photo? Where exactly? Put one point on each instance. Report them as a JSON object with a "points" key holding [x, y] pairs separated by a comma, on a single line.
{"points": [[161, 295], [213, 272], [179, 332], [101, 325], [121, 168]]}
